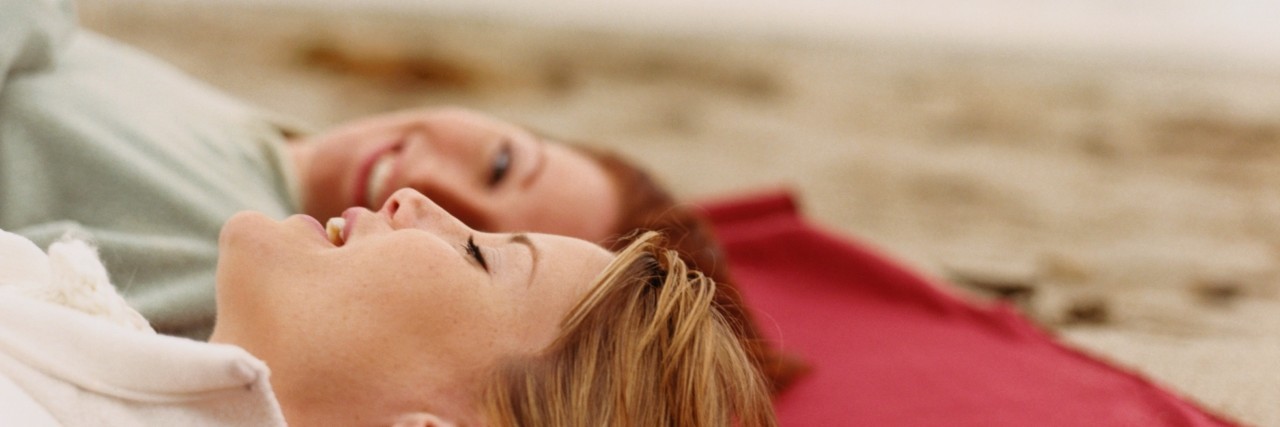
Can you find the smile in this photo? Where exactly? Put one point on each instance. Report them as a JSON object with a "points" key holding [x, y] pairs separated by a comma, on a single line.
{"points": [[378, 177], [374, 175]]}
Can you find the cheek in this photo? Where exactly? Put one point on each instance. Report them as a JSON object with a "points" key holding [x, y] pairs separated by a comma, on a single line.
{"points": [[419, 289], [531, 321], [459, 327], [336, 154], [589, 212]]}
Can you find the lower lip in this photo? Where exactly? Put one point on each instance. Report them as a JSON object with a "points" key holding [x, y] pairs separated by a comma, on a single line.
{"points": [[361, 195]]}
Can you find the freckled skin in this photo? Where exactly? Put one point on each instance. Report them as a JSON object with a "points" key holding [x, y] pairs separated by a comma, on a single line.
{"points": [[398, 318]]}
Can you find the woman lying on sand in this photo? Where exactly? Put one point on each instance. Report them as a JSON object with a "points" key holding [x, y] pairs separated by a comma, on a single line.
{"points": [[407, 317]]}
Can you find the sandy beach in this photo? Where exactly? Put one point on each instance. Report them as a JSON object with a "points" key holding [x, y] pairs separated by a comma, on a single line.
{"points": [[1130, 200]]}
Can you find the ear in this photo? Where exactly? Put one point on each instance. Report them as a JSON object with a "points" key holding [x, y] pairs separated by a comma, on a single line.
{"points": [[421, 419]]}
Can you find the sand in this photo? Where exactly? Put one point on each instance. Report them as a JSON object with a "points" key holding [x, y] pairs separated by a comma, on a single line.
{"points": [[1128, 203]]}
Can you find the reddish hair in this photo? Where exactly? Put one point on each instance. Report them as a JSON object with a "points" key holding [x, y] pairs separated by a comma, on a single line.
{"points": [[647, 206]]}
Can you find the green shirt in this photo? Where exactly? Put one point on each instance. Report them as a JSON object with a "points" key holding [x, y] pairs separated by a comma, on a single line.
{"points": [[102, 140]]}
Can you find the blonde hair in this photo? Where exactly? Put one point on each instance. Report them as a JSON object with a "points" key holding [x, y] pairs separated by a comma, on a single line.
{"points": [[649, 206], [645, 347]]}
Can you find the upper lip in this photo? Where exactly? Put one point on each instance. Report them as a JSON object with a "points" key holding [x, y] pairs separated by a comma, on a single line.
{"points": [[351, 215]]}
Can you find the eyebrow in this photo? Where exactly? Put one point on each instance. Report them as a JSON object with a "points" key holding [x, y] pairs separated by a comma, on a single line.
{"points": [[534, 254], [541, 161]]}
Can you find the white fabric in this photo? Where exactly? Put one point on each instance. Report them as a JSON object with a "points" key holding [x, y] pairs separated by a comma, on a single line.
{"points": [[70, 275], [91, 366]]}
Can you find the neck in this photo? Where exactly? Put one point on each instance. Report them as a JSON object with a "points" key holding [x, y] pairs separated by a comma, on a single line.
{"points": [[365, 411]]}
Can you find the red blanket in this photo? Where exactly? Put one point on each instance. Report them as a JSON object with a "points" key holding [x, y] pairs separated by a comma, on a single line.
{"points": [[889, 349]]}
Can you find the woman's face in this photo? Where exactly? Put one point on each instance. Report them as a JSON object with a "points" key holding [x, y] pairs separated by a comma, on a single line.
{"points": [[405, 311], [492, 175]]}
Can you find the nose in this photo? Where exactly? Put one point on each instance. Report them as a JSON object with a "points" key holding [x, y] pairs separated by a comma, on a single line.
{"points": [[444, 162], [459, 198], [407, 208]]}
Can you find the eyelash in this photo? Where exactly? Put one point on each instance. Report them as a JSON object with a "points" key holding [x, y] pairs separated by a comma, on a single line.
{"points": [[474, 251]]}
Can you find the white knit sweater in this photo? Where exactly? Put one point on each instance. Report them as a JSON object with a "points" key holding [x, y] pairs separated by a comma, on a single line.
{"points": [[72, 353]]}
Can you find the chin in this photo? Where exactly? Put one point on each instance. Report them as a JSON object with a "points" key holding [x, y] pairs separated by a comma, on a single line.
{"points": [[248, 246], [242, 229]]}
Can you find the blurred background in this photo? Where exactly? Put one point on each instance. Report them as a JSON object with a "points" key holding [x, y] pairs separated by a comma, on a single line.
{"points": [[1109, 166]]}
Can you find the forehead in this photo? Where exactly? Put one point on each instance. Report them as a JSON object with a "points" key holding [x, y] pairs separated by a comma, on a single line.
{"points": [[567, 263]]}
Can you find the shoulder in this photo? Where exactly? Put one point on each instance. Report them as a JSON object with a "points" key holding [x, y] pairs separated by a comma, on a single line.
{"points": [[31, 31]]}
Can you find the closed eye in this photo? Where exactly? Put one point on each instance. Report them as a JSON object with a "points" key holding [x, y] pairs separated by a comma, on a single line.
{"points": [[475, 253]]}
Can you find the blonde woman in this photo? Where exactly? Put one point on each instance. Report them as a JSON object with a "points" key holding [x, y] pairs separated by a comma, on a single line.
{"points": [[404, 317]]}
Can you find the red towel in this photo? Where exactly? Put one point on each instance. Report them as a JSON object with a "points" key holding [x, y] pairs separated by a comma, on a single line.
{"points": [[889, 349]]}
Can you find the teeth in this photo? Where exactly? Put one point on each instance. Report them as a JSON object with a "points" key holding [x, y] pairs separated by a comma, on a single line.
{"points": [[378, 179], [334, 228]]}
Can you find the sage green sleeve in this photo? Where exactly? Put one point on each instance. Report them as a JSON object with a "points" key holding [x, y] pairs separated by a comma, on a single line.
{"points": [[31, 32], [105, 141]]}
